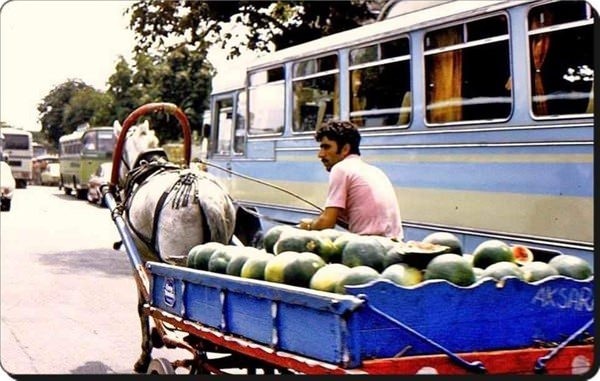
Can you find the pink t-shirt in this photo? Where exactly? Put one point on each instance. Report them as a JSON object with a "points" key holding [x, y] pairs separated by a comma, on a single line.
{"points": [[366, 196]]}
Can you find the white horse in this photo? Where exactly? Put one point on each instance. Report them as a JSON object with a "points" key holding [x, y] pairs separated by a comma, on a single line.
{"points": [[167, 208]]}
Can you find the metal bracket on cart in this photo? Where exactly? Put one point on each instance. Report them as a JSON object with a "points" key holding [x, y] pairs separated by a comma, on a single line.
{"points": [[475, 366], [540, 364]]}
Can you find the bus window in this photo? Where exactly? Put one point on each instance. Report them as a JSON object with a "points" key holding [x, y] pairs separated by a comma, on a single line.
{"points": [[467, 72], [266, 94], [239, 138], [89, 141], [561, 57], [16, 142], [106, 142], [380, 84], [315, 87], [224, 109]]}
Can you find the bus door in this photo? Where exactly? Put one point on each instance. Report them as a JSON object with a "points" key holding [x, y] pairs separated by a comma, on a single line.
{"points": [[228, 135]]}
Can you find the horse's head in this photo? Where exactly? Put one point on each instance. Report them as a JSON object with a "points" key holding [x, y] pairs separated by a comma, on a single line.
{"points": [[140, 140]]}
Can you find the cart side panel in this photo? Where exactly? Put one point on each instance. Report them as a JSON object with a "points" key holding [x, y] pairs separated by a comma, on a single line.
{"points": [[249, 316], [288, 318], [380, 319], [318, 334], [166, 293], [485, 316], [203, 303]]}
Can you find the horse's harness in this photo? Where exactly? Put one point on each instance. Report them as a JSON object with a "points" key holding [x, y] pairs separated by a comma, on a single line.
{"points": [[151, 163]]}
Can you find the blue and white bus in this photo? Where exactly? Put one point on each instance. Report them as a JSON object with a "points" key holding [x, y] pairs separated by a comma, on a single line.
{"points": [[480, 112]]}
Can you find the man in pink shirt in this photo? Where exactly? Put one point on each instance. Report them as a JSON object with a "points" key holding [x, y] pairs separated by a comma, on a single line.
{"points": [[359, 193]]}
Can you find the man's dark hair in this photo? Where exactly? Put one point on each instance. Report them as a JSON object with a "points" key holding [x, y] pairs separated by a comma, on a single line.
{"points": [[341, 132]]}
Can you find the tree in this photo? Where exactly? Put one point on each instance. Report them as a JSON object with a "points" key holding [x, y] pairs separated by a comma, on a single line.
{"points": [[52, 110], [184, 78], [120, 85], [201, 24], [181, 77], [88, 105]]}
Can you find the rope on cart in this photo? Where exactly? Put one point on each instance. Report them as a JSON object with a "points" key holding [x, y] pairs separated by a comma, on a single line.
{"points": [[318, 208], [341, 223]]}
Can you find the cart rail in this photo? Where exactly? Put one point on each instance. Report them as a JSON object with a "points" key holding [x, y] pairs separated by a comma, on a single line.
{"points": [[577, 359]]}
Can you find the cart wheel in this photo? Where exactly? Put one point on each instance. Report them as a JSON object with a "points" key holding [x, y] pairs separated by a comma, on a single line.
{"points": [[160, 366]]}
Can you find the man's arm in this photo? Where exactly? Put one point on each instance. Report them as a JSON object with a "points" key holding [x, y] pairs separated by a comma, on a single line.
{"points": [[326, 220]]}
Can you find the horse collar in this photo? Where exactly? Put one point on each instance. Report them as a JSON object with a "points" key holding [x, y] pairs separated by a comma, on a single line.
{"points": [[150, 155]]}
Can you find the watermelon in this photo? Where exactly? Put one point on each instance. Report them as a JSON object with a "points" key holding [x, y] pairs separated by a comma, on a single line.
{"points": [[451, 267], [537, 270], [234, 267], [503, 269], [571, 266], [445, 239], [393, 256], [490, 252], [403, 274], [220, 258], [274, 268], [356, 276], [418, 254], [199, 255], [330, 233], [299, 270], [522, 254], [254, 267], [307, 241], [272, 235], [341, 241], [328, 277], [386, 242], [364, 251]]}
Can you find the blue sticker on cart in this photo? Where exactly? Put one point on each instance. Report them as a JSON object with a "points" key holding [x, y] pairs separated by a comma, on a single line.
{"points": [[169, 290]]}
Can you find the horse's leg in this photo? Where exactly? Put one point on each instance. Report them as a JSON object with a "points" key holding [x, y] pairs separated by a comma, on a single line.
{"points": [[141, 365]]}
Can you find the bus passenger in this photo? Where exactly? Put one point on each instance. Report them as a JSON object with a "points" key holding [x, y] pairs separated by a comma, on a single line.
{"points": [[359, 193]]}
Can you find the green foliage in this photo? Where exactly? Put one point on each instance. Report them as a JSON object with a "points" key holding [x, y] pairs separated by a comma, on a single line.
{"points": [[183, 78], [200, 24], [178, 72], [56, 115], [88, 105]]}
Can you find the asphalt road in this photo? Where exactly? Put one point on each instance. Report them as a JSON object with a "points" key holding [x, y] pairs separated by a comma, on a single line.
{"points": [[68, 300]]}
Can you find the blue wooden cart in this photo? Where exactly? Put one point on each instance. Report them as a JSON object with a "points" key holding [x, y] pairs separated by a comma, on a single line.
{"points": [[507, 327]]}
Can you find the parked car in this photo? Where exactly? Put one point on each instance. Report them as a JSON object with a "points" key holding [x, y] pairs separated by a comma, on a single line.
{"points": [[51, 174], [7, 186], [39, 165], [99, 177]]}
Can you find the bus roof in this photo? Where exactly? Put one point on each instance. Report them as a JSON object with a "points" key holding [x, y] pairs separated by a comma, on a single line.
{"points": [[15, 131], [71, 136], [432, 14], [77, 134]]}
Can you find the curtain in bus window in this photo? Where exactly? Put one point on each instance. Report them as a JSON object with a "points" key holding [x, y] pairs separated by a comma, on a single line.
{"points": [[445, 82], [561, 44], [359, 101], [540, 44]]}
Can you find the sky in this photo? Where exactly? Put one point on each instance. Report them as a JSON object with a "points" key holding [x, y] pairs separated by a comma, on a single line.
{"points": [[45, 43]]}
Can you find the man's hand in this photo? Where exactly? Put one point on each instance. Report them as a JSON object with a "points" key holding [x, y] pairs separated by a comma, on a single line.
{"points": [[305, 223]]}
